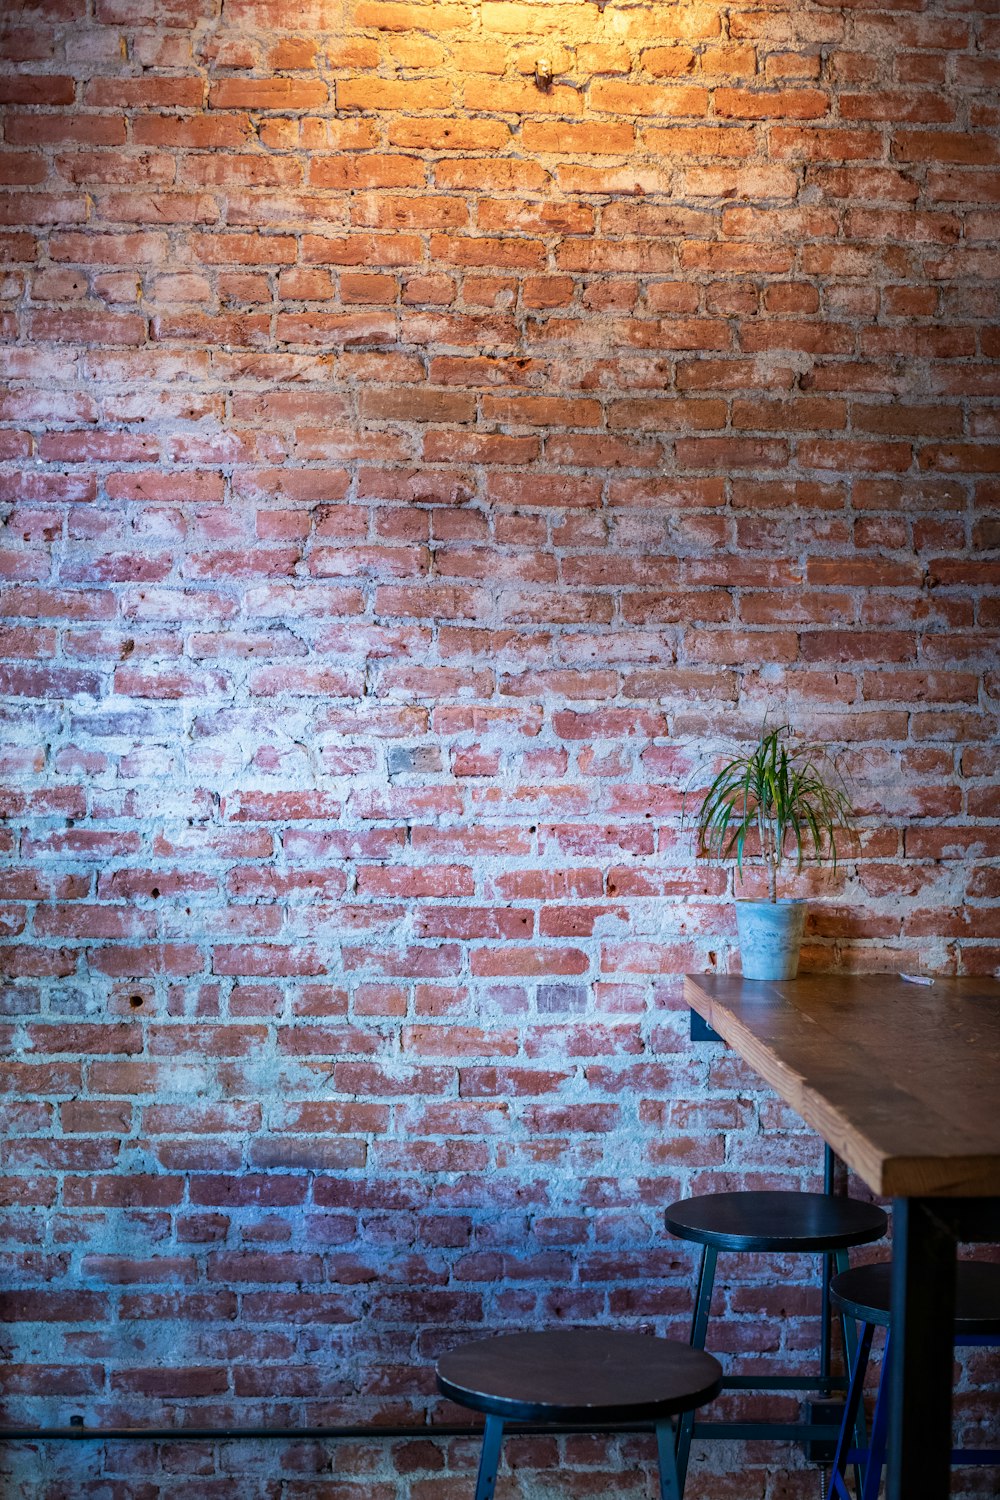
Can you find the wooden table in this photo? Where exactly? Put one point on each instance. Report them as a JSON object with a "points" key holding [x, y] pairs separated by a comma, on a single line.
{"points": [[903, 1082]]}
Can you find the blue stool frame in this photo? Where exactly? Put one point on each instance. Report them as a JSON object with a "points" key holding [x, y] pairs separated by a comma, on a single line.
{"points": [[873, 1456], [489, 1459], [686, 1428]]}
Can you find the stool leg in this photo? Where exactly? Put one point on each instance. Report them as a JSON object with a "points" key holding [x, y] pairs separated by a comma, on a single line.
{"points": [[489, 1459], [670, 1486], [699, 1328], [880, 1427], [842, 1262], [851, 1407]]}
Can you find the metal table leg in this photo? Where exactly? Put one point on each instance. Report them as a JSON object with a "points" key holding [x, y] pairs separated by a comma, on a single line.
{"points": [[923, 1318], [824, 1326]]}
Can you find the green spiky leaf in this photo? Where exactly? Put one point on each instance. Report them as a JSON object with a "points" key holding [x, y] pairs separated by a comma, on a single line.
{"points": [[792, 796]]}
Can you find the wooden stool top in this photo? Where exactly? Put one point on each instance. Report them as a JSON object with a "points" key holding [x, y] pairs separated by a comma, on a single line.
{"points": [[865, 1292], [776, 1221], [585, 1375]]}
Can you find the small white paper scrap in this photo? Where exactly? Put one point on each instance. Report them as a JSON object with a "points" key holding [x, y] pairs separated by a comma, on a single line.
{"points": [[916, 978]]}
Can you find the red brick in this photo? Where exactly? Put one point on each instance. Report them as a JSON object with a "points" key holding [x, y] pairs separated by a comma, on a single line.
{"points": [[401, 495], [145, 93], [955, 146], [578, 138], [267, 93], [448, 134], [37, 88], [197, 131], [646, 99], [825, 144], [790, 104]]}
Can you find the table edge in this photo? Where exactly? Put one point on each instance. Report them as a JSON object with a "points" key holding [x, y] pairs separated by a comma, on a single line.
{"points": [[888, 1176]]}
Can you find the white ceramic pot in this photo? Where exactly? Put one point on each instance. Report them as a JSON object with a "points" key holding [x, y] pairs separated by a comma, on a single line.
{"points": [[770, 934]]}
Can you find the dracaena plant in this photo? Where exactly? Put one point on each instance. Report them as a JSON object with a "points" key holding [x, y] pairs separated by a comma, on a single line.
{"points": [[791, 797]]}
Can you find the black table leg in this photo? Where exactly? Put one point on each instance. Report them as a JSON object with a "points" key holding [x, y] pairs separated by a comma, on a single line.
{"points": [[824, 1327], [923, 1317]]}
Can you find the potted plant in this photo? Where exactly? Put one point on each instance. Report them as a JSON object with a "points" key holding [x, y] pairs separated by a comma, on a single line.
{"points": [[776, 804]]}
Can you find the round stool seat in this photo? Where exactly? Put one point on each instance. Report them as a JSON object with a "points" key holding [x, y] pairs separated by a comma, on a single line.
{"points": [[776, 1221], [865, 1293], [585, 1375]]}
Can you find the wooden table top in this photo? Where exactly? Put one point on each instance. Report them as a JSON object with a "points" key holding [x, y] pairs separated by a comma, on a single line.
{"points": [[902, 1080]]}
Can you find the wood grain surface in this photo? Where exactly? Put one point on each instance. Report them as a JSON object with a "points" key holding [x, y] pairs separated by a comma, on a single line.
{"points": [[902, 1080], [579, 1375]]}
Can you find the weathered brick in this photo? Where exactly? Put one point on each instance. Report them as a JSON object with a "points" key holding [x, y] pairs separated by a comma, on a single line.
{"points": [[409, 472]]}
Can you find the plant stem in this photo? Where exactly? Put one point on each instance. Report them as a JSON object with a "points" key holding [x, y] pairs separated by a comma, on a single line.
{"points": [[770, 848]]}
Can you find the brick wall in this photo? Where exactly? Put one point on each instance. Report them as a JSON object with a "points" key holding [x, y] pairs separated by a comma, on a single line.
{"points": [[408, 475]]}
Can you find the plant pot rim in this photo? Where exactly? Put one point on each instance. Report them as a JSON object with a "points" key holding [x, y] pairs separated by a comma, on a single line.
{"points": [[766, 901]]}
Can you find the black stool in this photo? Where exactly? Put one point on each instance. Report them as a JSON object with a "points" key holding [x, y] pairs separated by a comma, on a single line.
{"points": [[865, 1293], [769, 1221], [578, 1376]]}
